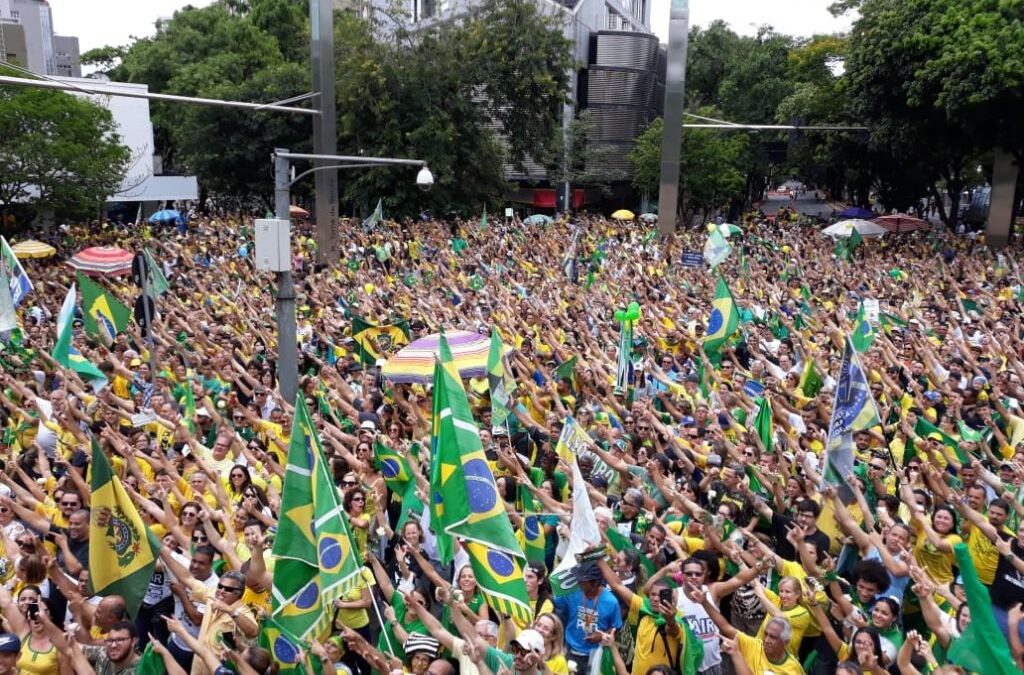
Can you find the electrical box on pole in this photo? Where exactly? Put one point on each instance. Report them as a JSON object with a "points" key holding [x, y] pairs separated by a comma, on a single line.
{"points": [[273, 245]]}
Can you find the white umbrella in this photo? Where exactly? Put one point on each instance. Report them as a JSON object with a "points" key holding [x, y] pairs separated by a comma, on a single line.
{"points": [[845, 228]]}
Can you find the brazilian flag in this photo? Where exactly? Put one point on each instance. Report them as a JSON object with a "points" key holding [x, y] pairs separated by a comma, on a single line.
{"points": [[533, 529], [863, 333], [621, 542], [393, 466], [723, 322], [104, 315], [373, 342], [314, 547], [500, 576], [810, 380], [464, 498], [122, 553]]}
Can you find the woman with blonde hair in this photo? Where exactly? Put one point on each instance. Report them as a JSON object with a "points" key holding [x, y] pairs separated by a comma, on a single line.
{"points": [[550, 626]]}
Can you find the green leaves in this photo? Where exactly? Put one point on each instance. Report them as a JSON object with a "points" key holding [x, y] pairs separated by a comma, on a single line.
{"points": [[59, 152]]}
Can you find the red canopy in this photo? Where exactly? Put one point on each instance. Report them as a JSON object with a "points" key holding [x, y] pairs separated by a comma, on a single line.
{"points": [[901, 222]]}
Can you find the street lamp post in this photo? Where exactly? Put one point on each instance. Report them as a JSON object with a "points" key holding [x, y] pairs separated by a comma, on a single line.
{"points": [[287, 341]]}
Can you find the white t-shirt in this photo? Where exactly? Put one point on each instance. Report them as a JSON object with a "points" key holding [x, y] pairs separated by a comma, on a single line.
{"points": [[703, 626], [179, 611]]}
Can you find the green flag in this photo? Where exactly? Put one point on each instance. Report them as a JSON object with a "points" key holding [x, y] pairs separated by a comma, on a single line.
{"points": [[763, 424], [190, 405], [533, 529], [393, 466], [103, 314], [122, 554], [150, 663], [483, 218], [496, 382], [981, 648], [890, 321], [968, 434], [374, 342], [314, 547], [863, 332], [66, 354], [621, 542], [156, 282], [566, 370], [723, 321], [464, 499], [810, 381], [924, 429]]}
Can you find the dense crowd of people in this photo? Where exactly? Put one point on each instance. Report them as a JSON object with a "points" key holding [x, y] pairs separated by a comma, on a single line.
{"points": [[719, 539]]}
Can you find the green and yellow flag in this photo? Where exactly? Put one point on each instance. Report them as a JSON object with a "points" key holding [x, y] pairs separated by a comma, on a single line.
{"points": [[122, 554], [863, 332], [64, 351], [375, 342], [810, 380], [763, 424], [500, 576], [314, 547], [104, 315], [722, 323], [497, 382], [533, 530], [393, 466]]}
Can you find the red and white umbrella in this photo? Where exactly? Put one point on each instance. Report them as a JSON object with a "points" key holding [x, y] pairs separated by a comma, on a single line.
{"points": [[297, 212], [109, 260], [901, 222]]}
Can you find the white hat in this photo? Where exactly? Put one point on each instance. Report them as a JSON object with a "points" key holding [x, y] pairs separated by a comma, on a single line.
{"points": [[530, 640], [368, 425]]}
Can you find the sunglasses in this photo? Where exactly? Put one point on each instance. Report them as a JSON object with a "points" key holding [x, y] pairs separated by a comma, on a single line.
{"points": [[358, 499], [349, 483], [69, 504], [199, 537], [643, 428], [228, 589]]}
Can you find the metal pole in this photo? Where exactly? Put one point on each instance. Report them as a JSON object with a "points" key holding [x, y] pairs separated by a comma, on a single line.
{"points": [[99, 90], [672, 131], [287, 342], [147, 315], [325, 135]]}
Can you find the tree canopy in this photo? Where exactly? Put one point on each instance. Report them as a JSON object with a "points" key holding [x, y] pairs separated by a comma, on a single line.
{"points": [[60, 153]]}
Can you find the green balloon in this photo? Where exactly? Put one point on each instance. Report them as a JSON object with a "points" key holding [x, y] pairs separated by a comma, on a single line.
{"points": [[633, 311], [620, 315]]}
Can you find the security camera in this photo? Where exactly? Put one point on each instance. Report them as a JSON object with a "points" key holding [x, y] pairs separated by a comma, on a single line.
{"points": [[425, 179]]}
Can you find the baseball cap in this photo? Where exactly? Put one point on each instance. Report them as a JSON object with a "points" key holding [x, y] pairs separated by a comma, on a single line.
{"points": [[935, 436], [530, 640], [418, 642], [10, 643], [368, 425]]}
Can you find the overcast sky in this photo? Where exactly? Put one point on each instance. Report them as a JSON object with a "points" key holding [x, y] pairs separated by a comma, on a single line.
{"points": [[103, 22]]}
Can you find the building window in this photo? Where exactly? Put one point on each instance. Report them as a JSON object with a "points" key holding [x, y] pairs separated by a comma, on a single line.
{"points": [[613, 20]]}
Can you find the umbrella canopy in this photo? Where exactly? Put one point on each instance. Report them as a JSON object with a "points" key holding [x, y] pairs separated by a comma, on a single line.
{"points": [[538, 219], [166, 216], [415, 362], [901, 222], [624, 214], [728, 229], [845, 228], [30, 248], [297, 212], [103, 260], [856, 212], [649, 217]]}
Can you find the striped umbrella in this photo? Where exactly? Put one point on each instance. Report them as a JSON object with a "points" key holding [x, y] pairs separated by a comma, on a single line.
{"points": [[30, 248], [415, 362], [109, 260], [901, 222]]}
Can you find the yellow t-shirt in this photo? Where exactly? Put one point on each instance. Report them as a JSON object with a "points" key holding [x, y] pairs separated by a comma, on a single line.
{"points": [[984, 554], [558, 665], [37, 663], [650, 647], [353, 618], [939, 565], [799, 619], [753, 654]]}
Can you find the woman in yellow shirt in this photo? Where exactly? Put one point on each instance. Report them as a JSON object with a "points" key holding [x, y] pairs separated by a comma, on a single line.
{"points": [[38, 654], [550, 626], [934, 550], [785, 604]]}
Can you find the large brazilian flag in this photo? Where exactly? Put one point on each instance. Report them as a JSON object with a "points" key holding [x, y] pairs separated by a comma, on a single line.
{"points": [[314, 549]]}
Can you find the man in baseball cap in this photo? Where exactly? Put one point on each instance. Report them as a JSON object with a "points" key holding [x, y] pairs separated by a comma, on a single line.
{"points": [[10, 647], [528, 651]]}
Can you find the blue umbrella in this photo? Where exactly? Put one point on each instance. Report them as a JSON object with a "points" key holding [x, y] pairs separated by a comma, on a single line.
{"points": [[166, 216], [538, 219], [856, 212]]}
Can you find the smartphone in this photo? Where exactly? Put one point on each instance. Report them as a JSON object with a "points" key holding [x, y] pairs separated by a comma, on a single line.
{"points": [[229, 640], [665, 597], [32, 610]]}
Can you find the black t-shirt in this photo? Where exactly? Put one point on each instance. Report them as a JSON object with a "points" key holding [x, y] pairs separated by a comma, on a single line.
{"points": [[780, 527], [1008, 584]]}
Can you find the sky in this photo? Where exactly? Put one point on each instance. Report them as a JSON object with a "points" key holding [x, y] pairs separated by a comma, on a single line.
{"points": [[114, 22]]}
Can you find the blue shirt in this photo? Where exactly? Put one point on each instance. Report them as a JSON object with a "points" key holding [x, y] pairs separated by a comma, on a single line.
{"points": [[582, 616]]}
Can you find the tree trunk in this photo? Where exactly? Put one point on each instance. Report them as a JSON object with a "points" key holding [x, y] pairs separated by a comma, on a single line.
{"points": [[939, 204]]}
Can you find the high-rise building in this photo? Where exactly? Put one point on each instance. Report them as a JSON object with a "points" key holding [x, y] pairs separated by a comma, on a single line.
{"points": [[40, 50], [66, 56]]}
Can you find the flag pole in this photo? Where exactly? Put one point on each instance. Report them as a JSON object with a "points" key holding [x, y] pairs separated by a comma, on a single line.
{"points": [[147, 315], [380, 620]]}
